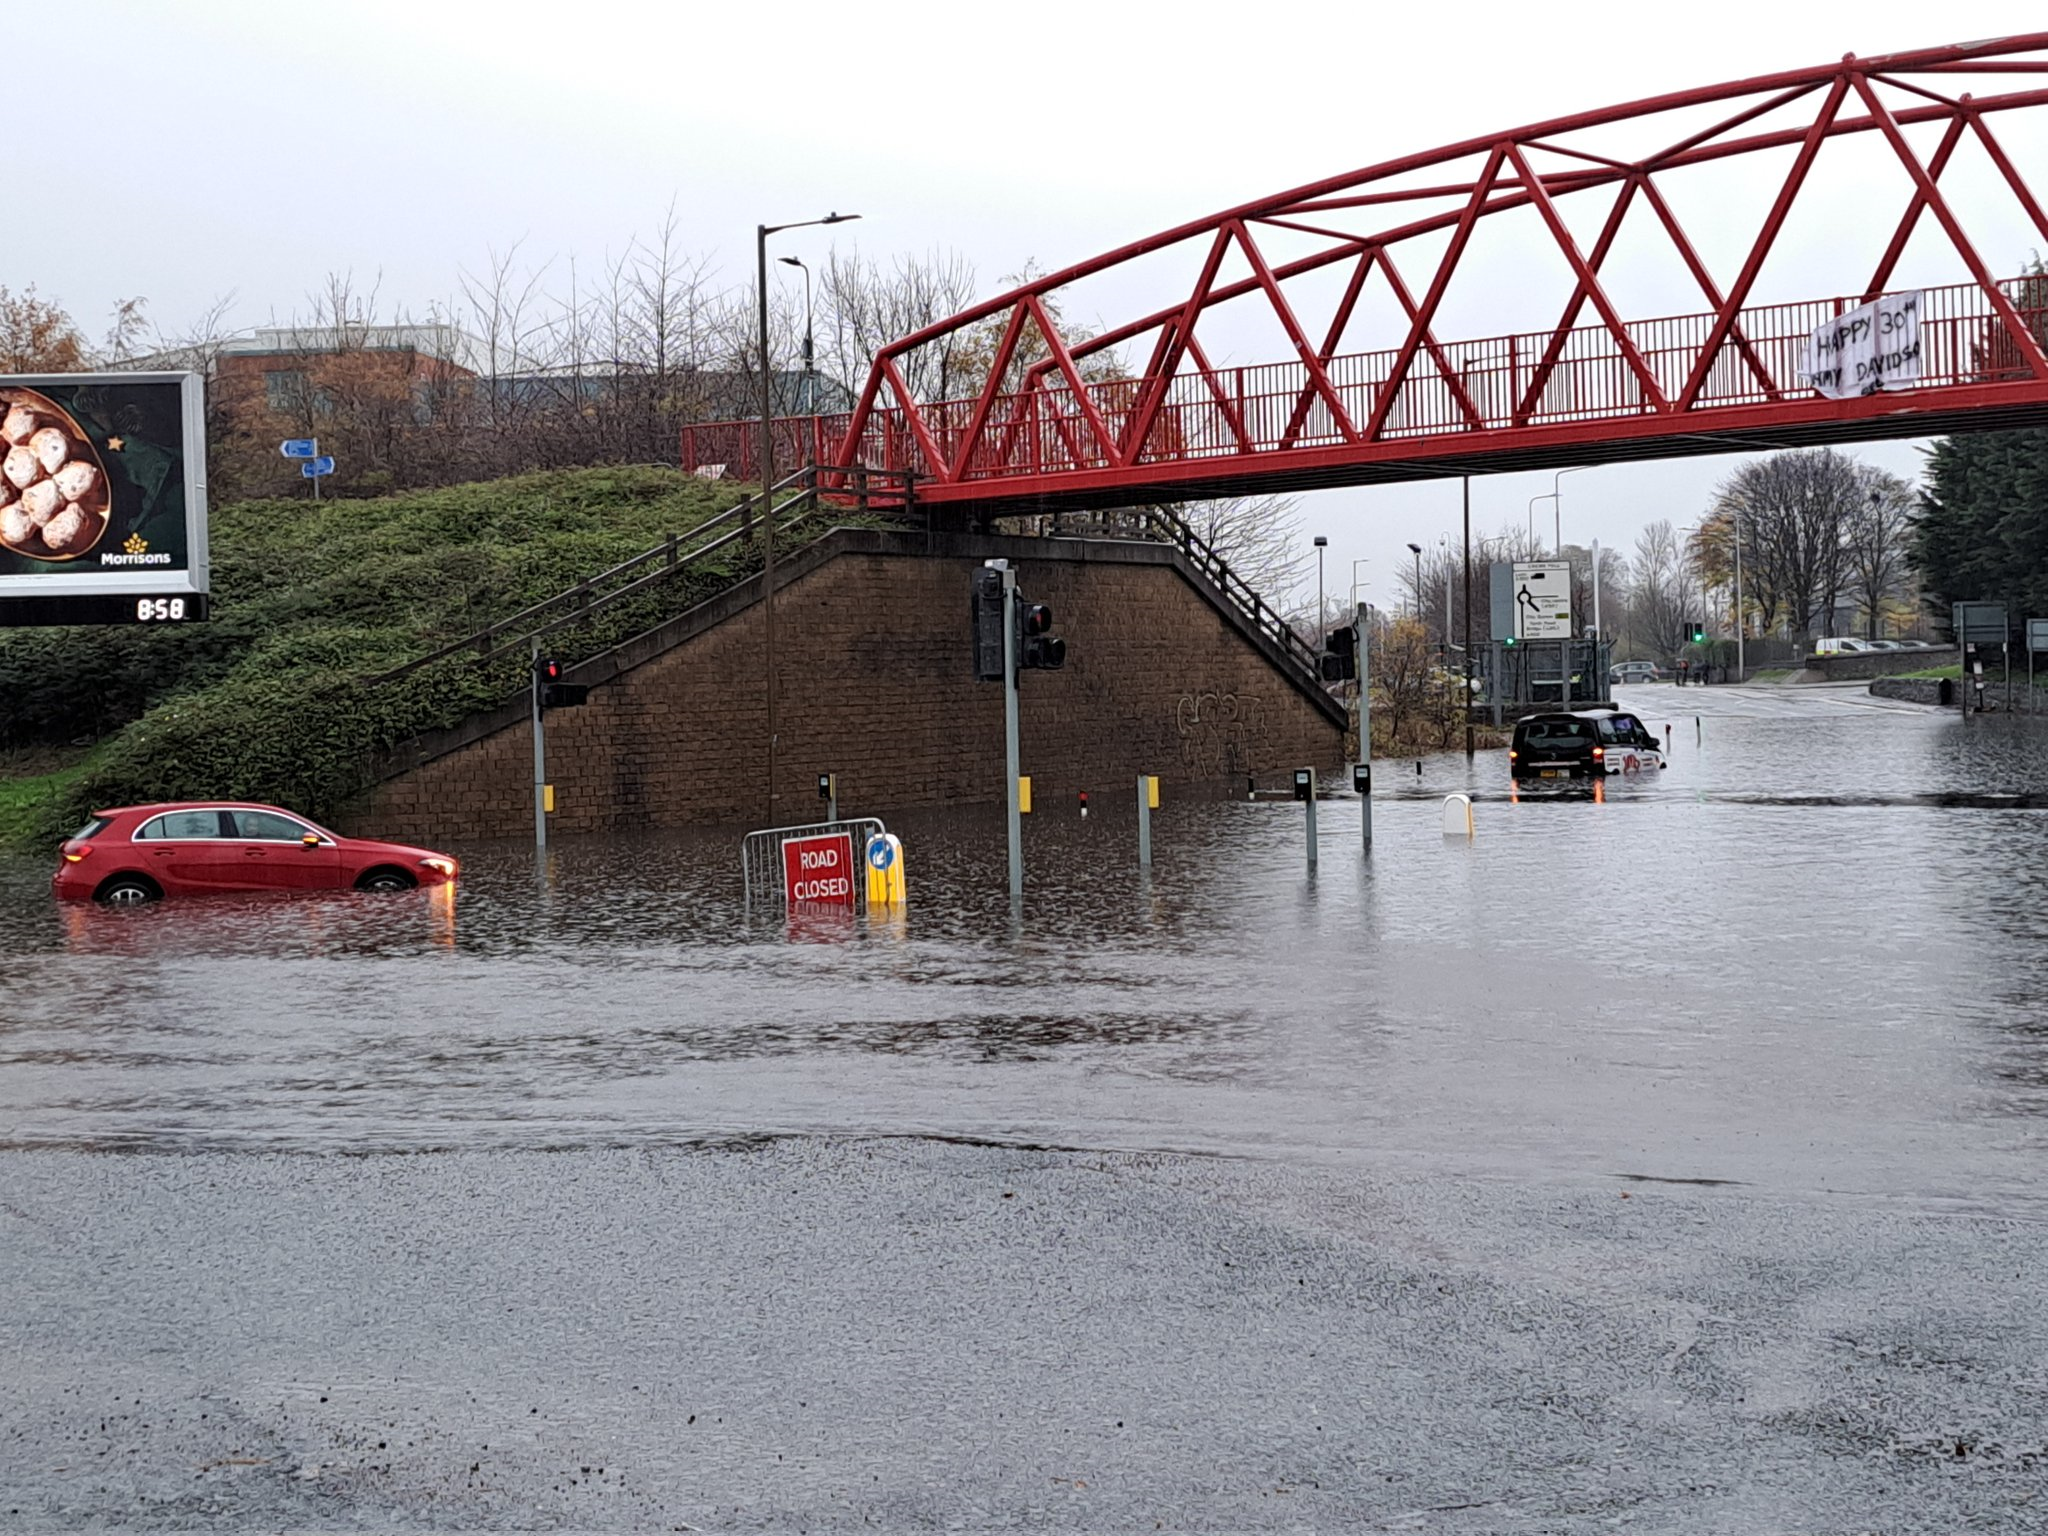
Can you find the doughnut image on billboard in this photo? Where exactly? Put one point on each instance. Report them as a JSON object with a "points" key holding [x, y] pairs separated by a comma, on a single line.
{"points": [[102, 496]]}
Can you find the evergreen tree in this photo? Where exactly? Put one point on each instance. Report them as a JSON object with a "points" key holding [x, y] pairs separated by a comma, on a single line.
{"points": [[1983, 531]]}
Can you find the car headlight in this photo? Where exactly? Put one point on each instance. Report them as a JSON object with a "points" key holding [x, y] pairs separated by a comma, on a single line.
{"points": [[444, 867]]}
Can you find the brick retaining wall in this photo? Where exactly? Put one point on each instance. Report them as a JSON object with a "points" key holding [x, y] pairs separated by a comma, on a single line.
{"points": [[876, 685]]}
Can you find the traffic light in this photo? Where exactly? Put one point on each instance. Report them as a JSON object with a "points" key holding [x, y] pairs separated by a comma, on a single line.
{"points": [[555, 694], [1695, 632], [988, 626], [1037, 645], [1339, 661]]}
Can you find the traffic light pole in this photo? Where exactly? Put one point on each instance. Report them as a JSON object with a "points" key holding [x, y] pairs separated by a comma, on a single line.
{"points": [[1010, 746], [1365, 725], [540, 758]]}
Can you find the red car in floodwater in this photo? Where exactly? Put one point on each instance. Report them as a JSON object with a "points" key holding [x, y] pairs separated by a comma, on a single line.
{"points": [[146, 852]]}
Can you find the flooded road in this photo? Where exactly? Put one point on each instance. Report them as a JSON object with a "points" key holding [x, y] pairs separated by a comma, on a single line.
{"points": [[1807, 956], [1666, 1160]]}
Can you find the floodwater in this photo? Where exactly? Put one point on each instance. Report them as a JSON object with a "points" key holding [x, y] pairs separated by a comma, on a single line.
{"points": [[1807, 957]]}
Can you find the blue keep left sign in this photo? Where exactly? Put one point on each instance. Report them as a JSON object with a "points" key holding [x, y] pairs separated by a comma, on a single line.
{"points": [[300, 447], [312, 469]]}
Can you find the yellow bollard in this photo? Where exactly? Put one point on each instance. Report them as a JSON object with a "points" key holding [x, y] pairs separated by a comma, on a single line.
{"points": [[884, 860], [1023, 794]]}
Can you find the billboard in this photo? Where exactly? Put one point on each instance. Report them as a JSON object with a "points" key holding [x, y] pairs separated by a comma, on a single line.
{"points": [[102, 497]]}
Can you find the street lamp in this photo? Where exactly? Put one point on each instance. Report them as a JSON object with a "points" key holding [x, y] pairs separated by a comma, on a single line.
{"points": [[1556, 501], [1322, 618], [807, 404], [1443, 548], [1417, 605], [761, 234]]}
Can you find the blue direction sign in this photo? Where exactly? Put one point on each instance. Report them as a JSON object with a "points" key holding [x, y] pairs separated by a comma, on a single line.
{"points": [[300, 447], [313, 469]]}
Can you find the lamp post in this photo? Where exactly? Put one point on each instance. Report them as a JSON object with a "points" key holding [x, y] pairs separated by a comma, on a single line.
{"points": [[1322, 620], [761, 234], [1415, 607], [807, 404], [1556, 499], [1741, 672]]}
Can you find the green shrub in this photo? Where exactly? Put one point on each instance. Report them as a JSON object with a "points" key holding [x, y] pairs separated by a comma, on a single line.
{"points": [[271, 699]]}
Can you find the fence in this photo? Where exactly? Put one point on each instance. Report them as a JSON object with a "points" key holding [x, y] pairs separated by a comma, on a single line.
{"points": [[761, 855]]}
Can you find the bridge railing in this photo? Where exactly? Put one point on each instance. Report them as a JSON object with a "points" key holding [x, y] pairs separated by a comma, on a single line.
{"points": [[1530, 378]]}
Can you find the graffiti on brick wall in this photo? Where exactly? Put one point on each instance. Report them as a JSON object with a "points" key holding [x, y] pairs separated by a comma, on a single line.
{"points": [[1221, 734]]}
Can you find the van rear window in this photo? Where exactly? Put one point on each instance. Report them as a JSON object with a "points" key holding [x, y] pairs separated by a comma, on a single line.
{"points": [[1558, 730]]}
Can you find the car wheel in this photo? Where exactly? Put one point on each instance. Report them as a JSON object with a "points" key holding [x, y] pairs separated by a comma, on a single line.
{"points": [[127, 891], [386, 879]]}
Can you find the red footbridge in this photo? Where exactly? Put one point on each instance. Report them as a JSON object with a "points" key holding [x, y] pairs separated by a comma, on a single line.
{"points": [[1350, 281]]}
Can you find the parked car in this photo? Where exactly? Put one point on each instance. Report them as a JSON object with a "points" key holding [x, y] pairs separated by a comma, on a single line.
{"points": [[1581, 744], [1634, 672], [142, 853], [1841, 645]]}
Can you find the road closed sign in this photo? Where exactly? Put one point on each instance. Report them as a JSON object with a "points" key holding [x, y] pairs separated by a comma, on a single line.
{"points": [[818, 871]]}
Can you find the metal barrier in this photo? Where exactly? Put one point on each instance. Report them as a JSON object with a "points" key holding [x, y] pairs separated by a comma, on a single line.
{"points": [[761, 853]]}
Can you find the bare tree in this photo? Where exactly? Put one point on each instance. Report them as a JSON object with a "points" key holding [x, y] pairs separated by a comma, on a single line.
{"points": [[1877, 542], [1795, 510], [1667, 592], [1259, 538], [863, 308]]}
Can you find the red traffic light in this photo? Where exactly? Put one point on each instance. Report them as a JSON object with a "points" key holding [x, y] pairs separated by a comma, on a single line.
{"points": [[1037, 619], [546, 668]]}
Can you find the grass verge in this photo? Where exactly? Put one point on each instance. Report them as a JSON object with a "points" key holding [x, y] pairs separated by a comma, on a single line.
{"points": [[270, 700]]}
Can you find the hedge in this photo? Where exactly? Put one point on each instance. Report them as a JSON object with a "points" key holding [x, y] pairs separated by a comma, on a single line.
{"points": [[270, 700]]}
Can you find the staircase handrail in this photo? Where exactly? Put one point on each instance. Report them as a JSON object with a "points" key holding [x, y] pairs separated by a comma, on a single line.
{"points": [[585, 597], [1236, 590]]}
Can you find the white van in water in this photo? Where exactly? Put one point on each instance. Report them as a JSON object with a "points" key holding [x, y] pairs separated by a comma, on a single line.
{"points": [[1631, 748]]}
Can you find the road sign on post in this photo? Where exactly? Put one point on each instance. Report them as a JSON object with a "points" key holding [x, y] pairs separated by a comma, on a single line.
{"points": [[300, 447], [2037, 634], [1543, 600], [1979, 623]]}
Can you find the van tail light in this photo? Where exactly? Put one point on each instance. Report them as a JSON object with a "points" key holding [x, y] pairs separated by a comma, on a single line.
{"points": [[1599, 754], [1513, 754]]}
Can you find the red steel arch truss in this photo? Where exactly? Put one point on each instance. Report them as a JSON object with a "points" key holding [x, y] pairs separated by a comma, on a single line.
{"points": [[1054, 425]]}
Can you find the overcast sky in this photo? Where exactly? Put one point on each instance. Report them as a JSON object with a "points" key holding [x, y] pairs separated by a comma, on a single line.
{"points": [[252, 146]]}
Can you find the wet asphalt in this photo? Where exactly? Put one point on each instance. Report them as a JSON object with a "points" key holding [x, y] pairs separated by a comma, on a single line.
{"points": [[1280, 1205], [820, 1335]]}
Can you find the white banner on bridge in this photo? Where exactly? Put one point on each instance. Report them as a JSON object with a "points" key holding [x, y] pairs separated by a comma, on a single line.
{"points": [[1871, 347]]}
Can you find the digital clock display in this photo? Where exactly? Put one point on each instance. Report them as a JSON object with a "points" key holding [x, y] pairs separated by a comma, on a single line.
{"points": [[103, 608]]}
